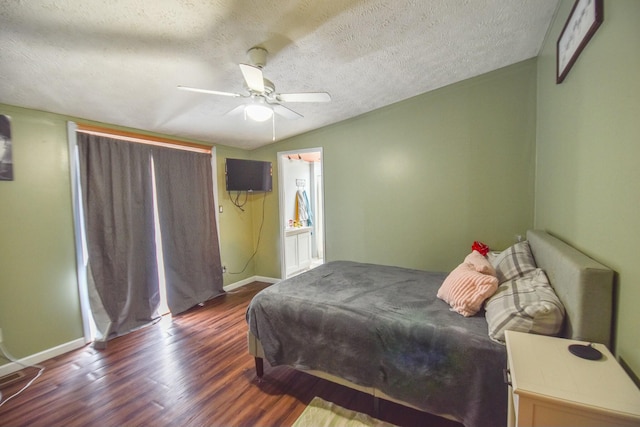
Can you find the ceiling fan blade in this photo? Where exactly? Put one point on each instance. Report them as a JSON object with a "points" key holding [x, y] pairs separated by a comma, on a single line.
{"points": [[253, 77], [210, 92], [305, 97], [285, 112]]}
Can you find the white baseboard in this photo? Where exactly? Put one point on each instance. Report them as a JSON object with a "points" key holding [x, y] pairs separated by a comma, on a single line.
{"points": [[34, 359], [244, 282]]}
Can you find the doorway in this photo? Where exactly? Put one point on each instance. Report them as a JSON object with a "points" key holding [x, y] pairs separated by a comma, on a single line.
{"points": [[301, 198]]}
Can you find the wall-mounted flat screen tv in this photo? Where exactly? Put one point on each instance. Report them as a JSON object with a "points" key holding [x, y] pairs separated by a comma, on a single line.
{"points": [[248, 175]]}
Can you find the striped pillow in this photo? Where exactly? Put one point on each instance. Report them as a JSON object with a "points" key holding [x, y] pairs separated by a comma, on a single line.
{"points": [[525, 304], [465, 289], [514, 262]]}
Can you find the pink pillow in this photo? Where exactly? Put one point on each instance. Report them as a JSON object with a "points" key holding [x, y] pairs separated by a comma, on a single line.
{"points": [[464, 289], [480, 263]]}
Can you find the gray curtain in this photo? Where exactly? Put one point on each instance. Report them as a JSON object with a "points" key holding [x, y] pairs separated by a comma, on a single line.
{"points": [[117, 197], [187, 217]]}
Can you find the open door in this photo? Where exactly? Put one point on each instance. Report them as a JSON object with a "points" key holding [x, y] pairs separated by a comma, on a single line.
{"points": [[301, 198]]}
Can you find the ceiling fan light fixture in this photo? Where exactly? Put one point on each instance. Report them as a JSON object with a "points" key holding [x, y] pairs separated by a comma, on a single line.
{"points": [[258, 112]]}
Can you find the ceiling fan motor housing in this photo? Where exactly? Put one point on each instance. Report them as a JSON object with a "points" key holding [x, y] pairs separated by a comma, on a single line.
{"points": [[258, 56]]}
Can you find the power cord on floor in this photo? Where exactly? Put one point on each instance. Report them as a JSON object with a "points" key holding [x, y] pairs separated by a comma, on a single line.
{"points": [[9, 357]]}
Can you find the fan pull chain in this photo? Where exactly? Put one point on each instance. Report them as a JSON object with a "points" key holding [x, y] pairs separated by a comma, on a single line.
{"points": [[273, 127]]}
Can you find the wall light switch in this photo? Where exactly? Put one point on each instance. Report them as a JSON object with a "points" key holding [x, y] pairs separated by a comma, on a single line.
{"points": [[220, 209]]}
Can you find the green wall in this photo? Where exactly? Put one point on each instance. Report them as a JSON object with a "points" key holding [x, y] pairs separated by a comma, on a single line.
{"points": [[588, 143], [415, 183], [39, 306], [238, 236]]}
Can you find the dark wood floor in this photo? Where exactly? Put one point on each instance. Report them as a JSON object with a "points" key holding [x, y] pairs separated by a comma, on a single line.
{"points": [[192, 370]]}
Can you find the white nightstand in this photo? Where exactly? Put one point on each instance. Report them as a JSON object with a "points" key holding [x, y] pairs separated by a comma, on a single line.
{"points": [[552, 387]]}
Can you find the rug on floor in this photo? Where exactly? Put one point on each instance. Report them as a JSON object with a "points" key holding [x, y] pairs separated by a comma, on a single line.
{"points": [[320, 413]]}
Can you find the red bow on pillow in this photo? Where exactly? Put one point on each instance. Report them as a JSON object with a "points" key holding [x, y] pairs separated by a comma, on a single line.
{"points": [[480, 247]]}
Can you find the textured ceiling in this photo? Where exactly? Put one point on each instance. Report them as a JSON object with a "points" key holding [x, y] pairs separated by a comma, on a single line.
{"points": [[120, 61]]}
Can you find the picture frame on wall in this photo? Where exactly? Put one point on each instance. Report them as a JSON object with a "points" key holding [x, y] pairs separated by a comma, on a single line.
{"points": [[6, 154], [583, 21]]}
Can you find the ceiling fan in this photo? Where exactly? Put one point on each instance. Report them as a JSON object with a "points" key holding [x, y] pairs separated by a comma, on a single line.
{"points": [[265, 100]]}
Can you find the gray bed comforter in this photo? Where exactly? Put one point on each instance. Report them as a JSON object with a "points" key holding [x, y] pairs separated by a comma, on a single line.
{"points": [[383, 327]]}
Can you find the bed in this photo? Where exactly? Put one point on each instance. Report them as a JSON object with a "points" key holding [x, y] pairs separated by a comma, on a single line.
{"points": [[383, 331]]}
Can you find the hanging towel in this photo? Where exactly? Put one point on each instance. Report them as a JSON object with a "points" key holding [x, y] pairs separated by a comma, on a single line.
{"points": [[303, 213], [309, 212]]}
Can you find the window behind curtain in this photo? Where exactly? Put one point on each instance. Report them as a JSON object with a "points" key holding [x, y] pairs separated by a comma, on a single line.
{"points": [[118, 198]]}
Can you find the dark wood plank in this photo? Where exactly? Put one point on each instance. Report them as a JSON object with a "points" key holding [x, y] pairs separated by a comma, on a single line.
{"points": [[193, 369]]}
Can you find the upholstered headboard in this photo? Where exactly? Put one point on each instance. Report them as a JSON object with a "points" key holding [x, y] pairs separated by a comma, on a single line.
{"points": [[584, 286]]}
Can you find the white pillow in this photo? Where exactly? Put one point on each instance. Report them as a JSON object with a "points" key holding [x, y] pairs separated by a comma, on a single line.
{"points": [[525, 304]]}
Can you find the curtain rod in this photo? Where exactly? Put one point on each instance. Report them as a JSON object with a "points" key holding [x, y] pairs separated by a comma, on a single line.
{"points": [[143, 139]]}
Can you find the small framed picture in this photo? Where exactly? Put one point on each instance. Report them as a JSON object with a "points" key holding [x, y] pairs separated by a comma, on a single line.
{"points": [[6, 156], [584, 19]]}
